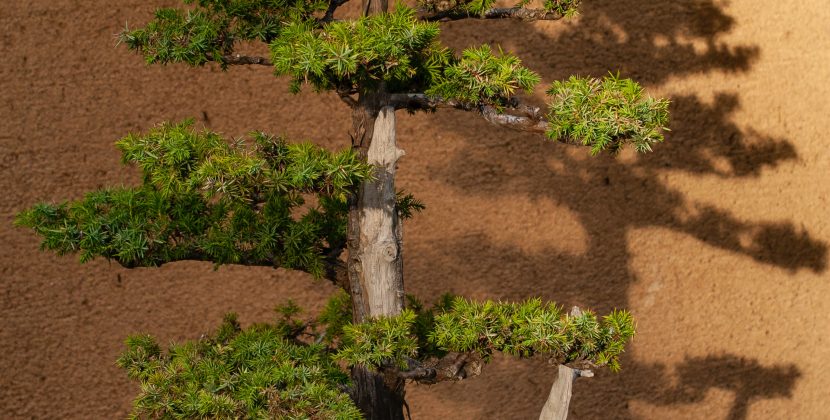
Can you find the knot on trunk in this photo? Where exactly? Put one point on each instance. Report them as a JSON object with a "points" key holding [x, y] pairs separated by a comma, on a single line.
{"points": [[389, 251]]}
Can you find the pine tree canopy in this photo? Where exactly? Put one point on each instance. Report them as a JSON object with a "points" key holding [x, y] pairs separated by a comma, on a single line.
{"points": [[291, 368], [401, 50], [269, 202]]}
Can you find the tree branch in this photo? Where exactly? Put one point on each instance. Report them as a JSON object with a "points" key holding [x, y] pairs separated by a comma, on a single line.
{"points": [[452, 367], [333, 5], [524, 118], [238, 60], [346, 97], [422, 102], [334, 269], [520, 13], [514, 115]]}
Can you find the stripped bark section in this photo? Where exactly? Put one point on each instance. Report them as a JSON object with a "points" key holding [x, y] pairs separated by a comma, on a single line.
{"points": [[380, 253], [559, 399]]}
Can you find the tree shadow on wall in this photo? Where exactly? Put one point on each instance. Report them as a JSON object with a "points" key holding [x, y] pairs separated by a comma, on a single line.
{"points": [[650, 42], [747, 380]]}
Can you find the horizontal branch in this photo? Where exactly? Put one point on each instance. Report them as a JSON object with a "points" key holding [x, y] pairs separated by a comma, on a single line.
{"points": [[347, 99], [514, 115], [522, 118], [334, 269], [520, 13], [239, 60], [236, 60], [422, 102], [458, 366], [451, 367]]}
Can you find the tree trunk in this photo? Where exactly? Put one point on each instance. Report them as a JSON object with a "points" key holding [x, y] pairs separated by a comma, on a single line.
{"points": [[556, 407], [375, 262]]}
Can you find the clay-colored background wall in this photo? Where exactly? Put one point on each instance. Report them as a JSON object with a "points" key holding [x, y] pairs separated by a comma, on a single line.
{"points": [[717, 241]]}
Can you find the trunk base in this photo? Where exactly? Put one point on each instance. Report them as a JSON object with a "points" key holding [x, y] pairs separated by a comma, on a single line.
{"points": [[375, 399]]}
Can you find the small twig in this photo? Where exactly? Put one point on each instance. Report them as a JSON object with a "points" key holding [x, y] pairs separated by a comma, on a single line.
{"points": [[347, 99]]}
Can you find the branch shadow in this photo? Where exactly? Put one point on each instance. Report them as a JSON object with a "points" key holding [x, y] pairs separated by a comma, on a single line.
{"points": [[649, 42], [747, 379], [652, 43]]}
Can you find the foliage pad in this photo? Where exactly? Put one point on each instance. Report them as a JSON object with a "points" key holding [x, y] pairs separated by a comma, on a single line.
{"points": [[209, 31], [519, 329], [205, 199], [257, 373], [606, 114], [268, 370]]}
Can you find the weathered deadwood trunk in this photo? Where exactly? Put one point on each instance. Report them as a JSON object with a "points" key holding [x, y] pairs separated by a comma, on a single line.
{"points": [[375, 263], [379, 250], [559, 399]]}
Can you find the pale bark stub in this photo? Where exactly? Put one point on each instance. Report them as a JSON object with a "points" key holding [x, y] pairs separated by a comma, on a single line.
{"points": [[556, 407], [380, 250]]}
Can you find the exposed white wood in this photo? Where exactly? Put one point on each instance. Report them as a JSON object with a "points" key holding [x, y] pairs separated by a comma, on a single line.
{"points": [[556, 407], [380, 248]]}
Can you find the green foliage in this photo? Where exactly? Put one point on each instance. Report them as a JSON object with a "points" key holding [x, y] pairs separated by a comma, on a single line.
{"points": [[176, 159], [394, 48], [210, 30], [481, 77], [400, 51], [606, 114], [204, 199], [257, 373], [266, 371], [382, 341], [335, 315], [278, 204], [408, 205], [566, 8], [519, 329]]}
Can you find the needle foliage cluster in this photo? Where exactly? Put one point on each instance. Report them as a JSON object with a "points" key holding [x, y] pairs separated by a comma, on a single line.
{"points": [[210, 30], [261, 372], [606, 114], [294, 369], [459, 325], [205, 199], [403, 53], [391, 47]]}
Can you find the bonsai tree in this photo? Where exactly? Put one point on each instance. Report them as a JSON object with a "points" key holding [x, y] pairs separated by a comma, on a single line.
{"points": [[337, 215]]}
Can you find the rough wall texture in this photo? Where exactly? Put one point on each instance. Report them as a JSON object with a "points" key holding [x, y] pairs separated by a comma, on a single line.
{"points": [[717, 241]]}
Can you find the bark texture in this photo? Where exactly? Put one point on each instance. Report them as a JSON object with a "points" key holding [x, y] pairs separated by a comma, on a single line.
{"points": [[381, 265], [559, 399], [375, 262], [375, 266]]}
